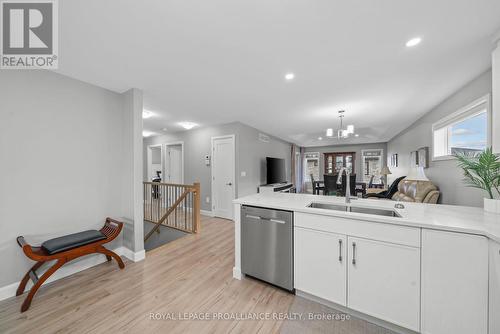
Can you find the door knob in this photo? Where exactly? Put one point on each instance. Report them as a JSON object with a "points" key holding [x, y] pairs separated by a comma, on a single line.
{"points": [[229, 184]]}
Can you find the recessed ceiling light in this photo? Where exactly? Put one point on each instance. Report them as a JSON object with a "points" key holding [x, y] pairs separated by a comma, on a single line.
{"points": [[320, 138], [165, 129], [147, 114], [356, 135], [413, 42], [187, 125], [289, 76], [147, 133]]}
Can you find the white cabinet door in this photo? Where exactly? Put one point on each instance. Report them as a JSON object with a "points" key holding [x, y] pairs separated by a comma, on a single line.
{"points": [[454, 283], [494, 287], [384, 281], [320, 264]]}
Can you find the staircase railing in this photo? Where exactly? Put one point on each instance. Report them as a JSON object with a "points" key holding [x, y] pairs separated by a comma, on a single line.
{"points": [[173, 205]]}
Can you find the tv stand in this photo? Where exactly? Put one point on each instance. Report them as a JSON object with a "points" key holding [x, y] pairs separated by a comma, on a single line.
{"points": [[276, 187]]}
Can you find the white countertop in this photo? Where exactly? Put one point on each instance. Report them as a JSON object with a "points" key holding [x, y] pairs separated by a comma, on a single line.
{"points": [[463, 219]]}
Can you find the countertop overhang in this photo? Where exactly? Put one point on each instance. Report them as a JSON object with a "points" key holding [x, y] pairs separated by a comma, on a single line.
{"points": [[454, 218]]}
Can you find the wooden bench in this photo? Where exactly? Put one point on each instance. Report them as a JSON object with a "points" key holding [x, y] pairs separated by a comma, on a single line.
{"points": [[65, 249]]}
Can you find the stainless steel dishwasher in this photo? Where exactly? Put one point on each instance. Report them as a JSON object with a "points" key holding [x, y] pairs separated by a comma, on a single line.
{"points": [[267, 245]]}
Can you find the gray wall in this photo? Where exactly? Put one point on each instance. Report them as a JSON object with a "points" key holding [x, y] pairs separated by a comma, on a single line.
{"points": [[250, 156], [444, 174], [348, 148], [61, 147]]}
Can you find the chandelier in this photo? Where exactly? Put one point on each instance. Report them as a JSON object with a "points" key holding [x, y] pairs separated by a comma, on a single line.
{"points": [[341, 132]]}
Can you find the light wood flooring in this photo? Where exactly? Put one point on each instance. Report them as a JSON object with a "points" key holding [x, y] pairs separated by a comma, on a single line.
{"points": [[191, 274]]}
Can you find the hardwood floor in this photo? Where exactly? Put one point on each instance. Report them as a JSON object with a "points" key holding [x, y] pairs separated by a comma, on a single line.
{"points": [[192, 274]]}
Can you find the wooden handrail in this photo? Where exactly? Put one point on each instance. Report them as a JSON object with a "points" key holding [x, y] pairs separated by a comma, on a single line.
{"points": [[174, 205], [172, 184], [169, 211]]}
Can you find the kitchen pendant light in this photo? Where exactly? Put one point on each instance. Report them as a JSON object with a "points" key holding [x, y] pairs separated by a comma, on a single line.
{"points": [[341, 132]]}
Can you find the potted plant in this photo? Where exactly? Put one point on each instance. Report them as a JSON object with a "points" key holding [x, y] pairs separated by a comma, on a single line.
{"points": [[482, 170]]}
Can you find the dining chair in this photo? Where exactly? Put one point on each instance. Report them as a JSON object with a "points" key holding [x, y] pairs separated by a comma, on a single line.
{"points": [[315, 185], [331, 187]]}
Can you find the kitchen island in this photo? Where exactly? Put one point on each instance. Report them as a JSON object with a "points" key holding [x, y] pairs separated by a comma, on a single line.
{"points": [[418, 268]]}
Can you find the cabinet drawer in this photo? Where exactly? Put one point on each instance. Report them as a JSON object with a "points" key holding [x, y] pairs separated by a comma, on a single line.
{"points": [[403, 235]]}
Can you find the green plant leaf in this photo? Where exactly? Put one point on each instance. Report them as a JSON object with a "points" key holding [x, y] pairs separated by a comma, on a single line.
{"points": [[480, 170]]}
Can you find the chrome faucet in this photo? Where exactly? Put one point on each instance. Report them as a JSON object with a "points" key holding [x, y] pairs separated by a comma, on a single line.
{"points": [[347, 185]]}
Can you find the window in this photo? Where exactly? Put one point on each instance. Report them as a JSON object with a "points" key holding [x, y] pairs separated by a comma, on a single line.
{"points": [[311, 163], [467, 130], [372, 165]]}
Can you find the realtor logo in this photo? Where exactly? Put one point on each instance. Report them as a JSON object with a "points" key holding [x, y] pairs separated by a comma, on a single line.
{"points": [[29, 35]]}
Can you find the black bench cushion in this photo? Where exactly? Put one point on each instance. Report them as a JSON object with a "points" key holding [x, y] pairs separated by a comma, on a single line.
{"points": [[71, 241]]}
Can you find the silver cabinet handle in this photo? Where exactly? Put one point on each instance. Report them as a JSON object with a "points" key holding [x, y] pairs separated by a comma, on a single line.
{"points": [[354, 253], [253, 217], [340, 250]]}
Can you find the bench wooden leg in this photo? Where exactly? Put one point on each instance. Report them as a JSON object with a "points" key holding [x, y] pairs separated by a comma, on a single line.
{"points": [[24, 281], [38, 284], [109, 254]]}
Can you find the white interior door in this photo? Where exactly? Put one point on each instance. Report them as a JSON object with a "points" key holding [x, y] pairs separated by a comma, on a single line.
{"points": [[223, 171], [174, 164], [155, 161]]}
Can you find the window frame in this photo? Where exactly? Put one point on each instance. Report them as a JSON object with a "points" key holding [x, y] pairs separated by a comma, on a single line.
{"points": [[381, 155], [307, 178], [462, 114]]}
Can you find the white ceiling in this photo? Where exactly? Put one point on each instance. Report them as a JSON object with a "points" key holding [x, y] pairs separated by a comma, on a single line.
{"points": [[219, 61]]}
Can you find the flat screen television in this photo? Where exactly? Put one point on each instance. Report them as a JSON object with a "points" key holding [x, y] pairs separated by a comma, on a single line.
{"points": [[276, 172]]}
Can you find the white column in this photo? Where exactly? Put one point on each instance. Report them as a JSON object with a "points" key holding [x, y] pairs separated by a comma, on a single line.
{"points": [[132, 165], [496, 96]]}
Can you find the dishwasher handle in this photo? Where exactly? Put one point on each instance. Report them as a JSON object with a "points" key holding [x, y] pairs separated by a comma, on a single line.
{"points": [[279, 221]]}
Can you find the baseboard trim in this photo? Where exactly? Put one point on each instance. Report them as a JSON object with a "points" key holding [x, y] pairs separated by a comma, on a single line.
{"points": [[9, 290], [237, 273], [133, 256], [73, 268], [208, 213]]}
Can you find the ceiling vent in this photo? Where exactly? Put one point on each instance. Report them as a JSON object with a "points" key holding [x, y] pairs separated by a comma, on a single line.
{"points": [[264, 138]]}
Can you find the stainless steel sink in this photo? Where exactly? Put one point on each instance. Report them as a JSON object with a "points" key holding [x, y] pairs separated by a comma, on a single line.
{"points": [[327, 206], [357, 209], [375, 211]]}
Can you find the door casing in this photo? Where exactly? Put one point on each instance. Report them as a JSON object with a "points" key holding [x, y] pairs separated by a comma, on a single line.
{"points": [[233, 168], [164, 149]]}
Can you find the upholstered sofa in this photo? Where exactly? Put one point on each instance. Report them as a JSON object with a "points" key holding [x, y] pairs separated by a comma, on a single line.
{"points": [[416, 191]]}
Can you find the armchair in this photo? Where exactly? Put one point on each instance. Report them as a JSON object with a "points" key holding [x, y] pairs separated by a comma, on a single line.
{"points": [[417, 191], [387, 194]]}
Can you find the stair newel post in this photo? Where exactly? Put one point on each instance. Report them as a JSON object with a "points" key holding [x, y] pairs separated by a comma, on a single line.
{"points": [[196, 207]]}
